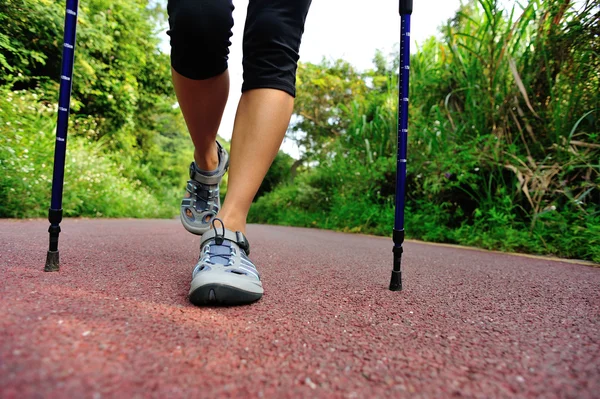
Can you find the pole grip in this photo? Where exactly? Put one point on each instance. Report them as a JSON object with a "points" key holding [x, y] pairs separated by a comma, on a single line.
{"points": [[406, 7]]}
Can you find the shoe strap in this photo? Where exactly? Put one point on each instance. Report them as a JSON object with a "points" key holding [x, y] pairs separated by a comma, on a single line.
{"points": [[237, 237], [202, 191], [196, 174]]}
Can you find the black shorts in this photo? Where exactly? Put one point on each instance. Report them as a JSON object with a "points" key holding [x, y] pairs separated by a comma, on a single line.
{"points": [[200, 31]]}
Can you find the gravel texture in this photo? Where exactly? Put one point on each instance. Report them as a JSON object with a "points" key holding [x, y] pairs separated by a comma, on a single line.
{"points": [[116, 322]]}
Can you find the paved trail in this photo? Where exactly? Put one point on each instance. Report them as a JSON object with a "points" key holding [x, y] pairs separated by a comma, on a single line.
{"points": [[115, 322]]}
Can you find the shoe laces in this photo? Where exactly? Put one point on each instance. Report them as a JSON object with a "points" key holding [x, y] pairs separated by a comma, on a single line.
{"points": [[219, 251], [204, 193]]}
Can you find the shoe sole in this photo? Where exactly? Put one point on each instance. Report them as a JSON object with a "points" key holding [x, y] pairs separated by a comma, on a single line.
{"points": [[222, 288], [224, 295], [191, 228]]}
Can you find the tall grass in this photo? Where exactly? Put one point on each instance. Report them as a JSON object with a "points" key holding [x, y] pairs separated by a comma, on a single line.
{"points": [[518, 108], [504, 138]]}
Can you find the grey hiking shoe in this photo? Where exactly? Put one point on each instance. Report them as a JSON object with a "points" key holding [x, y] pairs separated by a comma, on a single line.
{"points": [[224, 275], [202, 202]]}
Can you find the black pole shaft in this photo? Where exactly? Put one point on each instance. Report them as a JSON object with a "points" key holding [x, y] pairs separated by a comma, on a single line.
{"points": [[60, 149], [403, 78]]}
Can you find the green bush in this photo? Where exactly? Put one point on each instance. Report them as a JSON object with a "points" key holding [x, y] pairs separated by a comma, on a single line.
{"points": [[95, 183], [128, 149], [278, 173]]}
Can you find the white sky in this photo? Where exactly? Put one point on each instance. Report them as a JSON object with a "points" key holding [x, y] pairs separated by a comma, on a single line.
{"points": [[347, 29]]}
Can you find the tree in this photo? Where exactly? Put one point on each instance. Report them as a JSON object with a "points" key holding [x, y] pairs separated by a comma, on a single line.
{"points": [[317, 120]]}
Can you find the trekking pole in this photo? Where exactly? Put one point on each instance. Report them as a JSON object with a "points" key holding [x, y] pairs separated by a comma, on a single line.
{"points": [[398, 235], [60, 149]]}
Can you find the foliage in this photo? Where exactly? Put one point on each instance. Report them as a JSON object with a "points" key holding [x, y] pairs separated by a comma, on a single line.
{"points": [[94, 183], [278, 173], [503, 143], [122, 99], [318, 119]]}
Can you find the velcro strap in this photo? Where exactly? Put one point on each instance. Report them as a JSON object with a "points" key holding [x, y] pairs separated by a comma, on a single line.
{"points": [[200, 178], [213, 179], [238, 237]]}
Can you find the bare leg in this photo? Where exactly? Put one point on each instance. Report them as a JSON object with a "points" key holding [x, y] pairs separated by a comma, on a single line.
{"points": [[261, 121], [202, 103]]}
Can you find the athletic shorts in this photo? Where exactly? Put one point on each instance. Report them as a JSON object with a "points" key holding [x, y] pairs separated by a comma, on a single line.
{"points": [[200, 31]]}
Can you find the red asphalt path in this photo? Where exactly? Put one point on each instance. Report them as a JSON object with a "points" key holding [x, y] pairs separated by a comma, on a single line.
{"points": [[115, 322]]}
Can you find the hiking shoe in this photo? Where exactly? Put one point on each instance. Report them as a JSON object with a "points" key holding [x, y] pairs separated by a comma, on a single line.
{"points": [[224, 275], [202, 202]]}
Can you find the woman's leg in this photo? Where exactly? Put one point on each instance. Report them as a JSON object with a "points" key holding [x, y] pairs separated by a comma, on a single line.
{"points": [[261, 121], [200, 31], [272, 38], [224, 273], [202, 103]]}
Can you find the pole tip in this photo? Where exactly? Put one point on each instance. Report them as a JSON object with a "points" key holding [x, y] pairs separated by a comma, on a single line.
{"points": [[52, 262], [396, 281]]}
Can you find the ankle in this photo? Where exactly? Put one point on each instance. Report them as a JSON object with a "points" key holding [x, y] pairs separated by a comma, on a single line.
{"points": [[233, 223], [208, 159]]}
